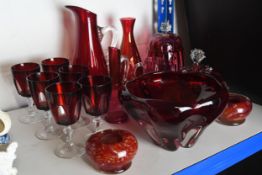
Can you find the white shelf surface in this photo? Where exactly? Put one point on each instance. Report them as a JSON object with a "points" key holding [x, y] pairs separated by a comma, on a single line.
{"points": [[37, 157]]}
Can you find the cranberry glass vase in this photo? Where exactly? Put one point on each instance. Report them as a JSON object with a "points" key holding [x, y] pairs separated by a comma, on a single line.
{"points": [[236, 111], [112, 151], [129, 48], [115, 114], [174, 107]]}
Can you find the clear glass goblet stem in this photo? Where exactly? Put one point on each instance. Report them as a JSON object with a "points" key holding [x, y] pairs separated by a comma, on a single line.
{"points": [[49, 131], [68, 149], [30, 117]]}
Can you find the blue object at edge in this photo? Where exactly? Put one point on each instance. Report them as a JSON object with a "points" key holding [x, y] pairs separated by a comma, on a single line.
{"points": [[226, 158]]}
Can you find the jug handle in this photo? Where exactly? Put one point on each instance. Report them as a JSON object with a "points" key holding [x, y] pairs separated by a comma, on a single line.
{"points": [[125, 67], [104, 30]]}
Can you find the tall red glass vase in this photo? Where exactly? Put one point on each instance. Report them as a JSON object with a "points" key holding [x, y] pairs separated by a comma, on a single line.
{"points": [[129, 48], [116, 114]]}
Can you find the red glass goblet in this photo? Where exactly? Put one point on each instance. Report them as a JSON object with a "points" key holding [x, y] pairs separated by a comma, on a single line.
{"points": [[53, 64], [96, 95], [37, 84], [72, 72], [64, 100], [20, 72]]}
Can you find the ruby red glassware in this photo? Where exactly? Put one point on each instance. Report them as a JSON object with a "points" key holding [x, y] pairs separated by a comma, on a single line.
{"points": [[37, 84], [72, 72], [112, 151], [88, 48], [20, 72], [165, 53], [116, 114], [64, 100], [96, 95], [175, 107], [53, 64], [237, 110], [129, 49]]}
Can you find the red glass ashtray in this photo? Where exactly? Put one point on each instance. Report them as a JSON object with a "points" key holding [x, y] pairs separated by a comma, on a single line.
{"points": [[175, 107], [111, 151], [237, 110]]}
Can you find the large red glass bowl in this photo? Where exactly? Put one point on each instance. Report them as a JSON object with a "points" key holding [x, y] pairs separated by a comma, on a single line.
{"points": [[175, 107]]}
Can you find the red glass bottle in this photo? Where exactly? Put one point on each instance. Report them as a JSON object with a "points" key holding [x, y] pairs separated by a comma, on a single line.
{"points": [[129, 48]]}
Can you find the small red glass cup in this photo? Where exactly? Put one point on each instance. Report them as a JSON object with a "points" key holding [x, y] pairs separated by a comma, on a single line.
{"points": [[37, 84], [53, 64], [237, 110], [64, 100], [72, 72], [20, 72], [112, 151]]}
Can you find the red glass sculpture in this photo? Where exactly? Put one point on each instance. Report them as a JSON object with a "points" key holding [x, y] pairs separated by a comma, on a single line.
{"points": [[112, 150], [129, 49], [53, 64], [88, 48], [116, 113], [236, 111]]}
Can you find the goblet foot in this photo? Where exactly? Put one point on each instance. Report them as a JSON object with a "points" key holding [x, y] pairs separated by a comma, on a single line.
{"points": [[67, 151], [49, 133]]}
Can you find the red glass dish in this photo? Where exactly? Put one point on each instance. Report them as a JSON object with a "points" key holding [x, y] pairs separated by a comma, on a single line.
{"points": [[53, 64], [237, 110], [129, 49], [37, 84], [174, 107], [20, 72], [72, 72], [112, 151]]}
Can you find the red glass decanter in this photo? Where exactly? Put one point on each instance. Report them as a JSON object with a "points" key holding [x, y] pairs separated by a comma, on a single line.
{"points": [[129, 48], [88, 48]]}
